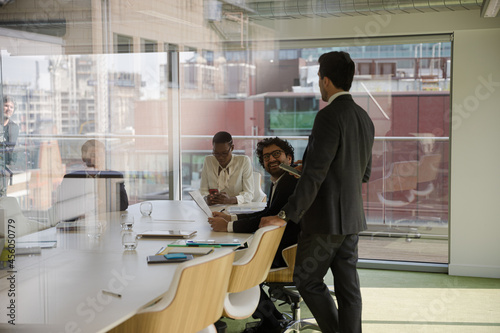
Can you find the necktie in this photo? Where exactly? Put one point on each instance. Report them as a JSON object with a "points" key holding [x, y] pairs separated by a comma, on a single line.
{"points": [[271, 192]]}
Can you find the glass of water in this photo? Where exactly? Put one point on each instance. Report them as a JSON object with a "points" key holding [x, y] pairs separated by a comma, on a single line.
{"points": [[127, 221], [94, 228], [146, 208], [129, 240]]}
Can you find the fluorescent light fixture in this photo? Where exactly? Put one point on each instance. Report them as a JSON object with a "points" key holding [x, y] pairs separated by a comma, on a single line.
{"points": [[490, 8]]}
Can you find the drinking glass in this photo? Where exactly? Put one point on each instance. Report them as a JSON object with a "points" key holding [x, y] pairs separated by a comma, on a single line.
{"points": [[146, 208], [127, 221], [94, 228], [129, 240]]}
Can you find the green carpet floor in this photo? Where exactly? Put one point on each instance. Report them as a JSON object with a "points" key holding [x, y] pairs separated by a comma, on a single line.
{"points": [[409, 302]]}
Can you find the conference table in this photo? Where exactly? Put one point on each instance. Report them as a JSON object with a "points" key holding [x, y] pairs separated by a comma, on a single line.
{"points": [[61, 289]]}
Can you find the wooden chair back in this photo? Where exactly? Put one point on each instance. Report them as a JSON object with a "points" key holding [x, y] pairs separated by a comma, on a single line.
{"points": [[252, 268], [194, 301], [428, 168], [284, 274], [403, 177]]}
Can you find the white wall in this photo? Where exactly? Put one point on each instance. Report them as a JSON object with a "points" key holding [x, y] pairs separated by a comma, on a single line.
{"points": [[475, 155], [475, 133]]}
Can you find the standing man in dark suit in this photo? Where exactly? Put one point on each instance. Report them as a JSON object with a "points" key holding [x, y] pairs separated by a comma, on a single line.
{"points": [[327, 202]]}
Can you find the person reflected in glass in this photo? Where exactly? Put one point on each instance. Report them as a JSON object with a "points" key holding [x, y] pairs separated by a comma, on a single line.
{"points": [[226, 178], [73, 186], [8, 142]]}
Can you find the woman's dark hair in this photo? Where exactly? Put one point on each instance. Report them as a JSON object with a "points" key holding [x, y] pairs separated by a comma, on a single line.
{"points": [[222, 137]]}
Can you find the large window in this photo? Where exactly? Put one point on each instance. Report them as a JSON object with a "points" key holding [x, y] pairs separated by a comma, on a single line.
{"points": [[405, 90], [156, 110]]}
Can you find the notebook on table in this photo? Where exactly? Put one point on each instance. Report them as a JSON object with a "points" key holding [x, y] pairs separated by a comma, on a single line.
{"points": [[169, 258]]}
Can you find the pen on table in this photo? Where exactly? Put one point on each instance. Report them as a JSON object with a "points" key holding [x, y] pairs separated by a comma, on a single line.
{"points": [[160, 251], [110, 293], [223, 209]]}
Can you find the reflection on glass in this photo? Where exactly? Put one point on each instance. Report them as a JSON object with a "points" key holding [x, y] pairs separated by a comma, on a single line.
{"points": [[405, 92], [65, 99], [145, 107]]}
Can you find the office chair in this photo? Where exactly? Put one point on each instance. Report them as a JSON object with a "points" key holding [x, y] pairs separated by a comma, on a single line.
{"points": [[428, 170], [258, 194], [401, 178], [193, 302], [396, 190], [249, 270], [23, 225], [281, 287], [405, 188]]}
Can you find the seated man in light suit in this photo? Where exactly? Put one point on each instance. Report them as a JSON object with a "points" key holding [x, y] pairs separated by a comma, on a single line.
{"points": [[230, 176], [271, 152]]}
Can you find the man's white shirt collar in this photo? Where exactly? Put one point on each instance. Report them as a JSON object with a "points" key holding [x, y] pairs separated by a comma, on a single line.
{"points": [[340, 93], [276, 181]]}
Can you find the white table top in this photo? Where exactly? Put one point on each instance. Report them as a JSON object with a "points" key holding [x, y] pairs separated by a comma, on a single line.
{"points": [[59, 290]]}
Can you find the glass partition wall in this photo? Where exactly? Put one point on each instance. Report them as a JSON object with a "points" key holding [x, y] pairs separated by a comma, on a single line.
{"points": [[156, 93], [405, 92]]}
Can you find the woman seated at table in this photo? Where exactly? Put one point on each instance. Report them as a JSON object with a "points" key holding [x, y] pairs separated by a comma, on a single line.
{"points": [[226, 178]]}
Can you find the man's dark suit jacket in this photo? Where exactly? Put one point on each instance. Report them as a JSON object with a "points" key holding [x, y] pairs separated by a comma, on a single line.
{"points": [[104, 174], [328, 198], [250, 222]]}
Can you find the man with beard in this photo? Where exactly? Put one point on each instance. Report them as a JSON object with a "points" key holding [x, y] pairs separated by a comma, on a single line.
{"points": [[271, 153]]}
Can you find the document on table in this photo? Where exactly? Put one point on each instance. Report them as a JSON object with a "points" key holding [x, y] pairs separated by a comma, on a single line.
{"points": [[198, 198], [185, 249]]}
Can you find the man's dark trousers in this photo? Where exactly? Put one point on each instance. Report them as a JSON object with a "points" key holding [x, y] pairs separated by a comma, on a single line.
{"points": [[315, 254]]}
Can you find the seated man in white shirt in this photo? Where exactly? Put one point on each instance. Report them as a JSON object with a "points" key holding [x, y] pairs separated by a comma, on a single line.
{"points": [[226, 178]]}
